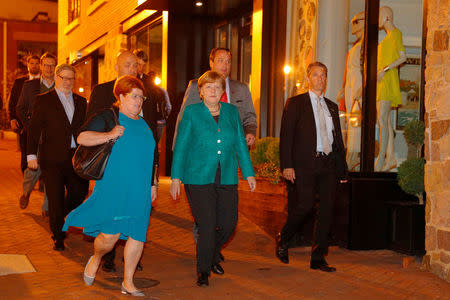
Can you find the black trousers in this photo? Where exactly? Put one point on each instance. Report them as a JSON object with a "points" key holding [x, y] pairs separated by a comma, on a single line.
{"points": [[320, 180], [215, 210], [65, 192], [23, 150]]}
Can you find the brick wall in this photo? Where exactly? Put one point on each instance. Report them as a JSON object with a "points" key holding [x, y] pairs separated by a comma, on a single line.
{"points": [[437, 140], [105, 22]]}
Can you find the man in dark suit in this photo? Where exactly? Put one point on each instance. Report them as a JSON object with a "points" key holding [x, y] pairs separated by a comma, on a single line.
{"points": [[312, 158], [33, 73], [102, 97], [30, 90], [56, 119], [157, 107]]}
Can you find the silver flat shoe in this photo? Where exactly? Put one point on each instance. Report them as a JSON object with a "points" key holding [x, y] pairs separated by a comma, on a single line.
{"points": [[88, 280], [136, 293]]}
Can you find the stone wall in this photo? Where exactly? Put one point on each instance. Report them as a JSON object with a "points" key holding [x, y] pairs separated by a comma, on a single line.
{"points": [[437, 140]]}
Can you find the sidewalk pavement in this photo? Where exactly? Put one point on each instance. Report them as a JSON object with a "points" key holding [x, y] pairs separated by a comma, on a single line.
{"points": [[251, 269]]}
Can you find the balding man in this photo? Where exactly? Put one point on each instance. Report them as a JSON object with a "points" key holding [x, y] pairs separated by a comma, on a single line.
{"points": [[102, 96]]}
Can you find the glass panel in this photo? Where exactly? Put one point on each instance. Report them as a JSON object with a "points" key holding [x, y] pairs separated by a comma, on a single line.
{"points": [[155, 49], [83, 78], [301, 44], [246, 59], [222, 36], [398, 89], [350, 96]]}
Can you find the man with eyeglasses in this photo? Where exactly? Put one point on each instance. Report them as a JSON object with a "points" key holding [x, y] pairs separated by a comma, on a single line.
{"points": [[56, 119], [102, 97], [30, 90]]}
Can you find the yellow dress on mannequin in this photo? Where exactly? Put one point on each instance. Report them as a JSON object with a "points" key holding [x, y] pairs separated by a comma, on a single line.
{"points": [[388, 51]]}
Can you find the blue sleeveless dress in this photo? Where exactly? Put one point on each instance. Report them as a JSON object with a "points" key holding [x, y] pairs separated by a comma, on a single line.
{"points": [[121, 200]]}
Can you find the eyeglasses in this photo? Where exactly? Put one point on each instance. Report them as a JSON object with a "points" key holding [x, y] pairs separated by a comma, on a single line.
{"points": [[134, 96], [66, 78]]}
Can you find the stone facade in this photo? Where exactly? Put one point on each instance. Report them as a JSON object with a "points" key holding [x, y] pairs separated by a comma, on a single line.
{"points": [[437, 140]]}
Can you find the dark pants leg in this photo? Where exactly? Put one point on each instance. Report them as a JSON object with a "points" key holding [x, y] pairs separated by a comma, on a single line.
{"points": [[23, 151], [321, 179], [57, 181], [327, 184], [226, 216], [207, 202]]}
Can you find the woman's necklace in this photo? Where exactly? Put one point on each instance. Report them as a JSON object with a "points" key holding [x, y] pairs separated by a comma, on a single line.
{"points": [[214, 111]]}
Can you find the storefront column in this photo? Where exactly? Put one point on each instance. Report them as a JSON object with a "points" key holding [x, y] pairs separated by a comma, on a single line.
{"points": [[332, 42]]}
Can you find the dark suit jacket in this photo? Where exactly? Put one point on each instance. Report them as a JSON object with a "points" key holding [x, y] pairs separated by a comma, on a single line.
{"points": [[31, 88], [102, 97], [49, 119], [298, 140], [14, 96]]}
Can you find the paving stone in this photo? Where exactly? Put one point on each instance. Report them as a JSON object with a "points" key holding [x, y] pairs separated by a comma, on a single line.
{"points": [[251, 269]]}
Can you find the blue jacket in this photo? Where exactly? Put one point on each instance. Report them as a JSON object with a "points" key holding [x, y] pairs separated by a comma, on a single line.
{"points": [[202, 144]]}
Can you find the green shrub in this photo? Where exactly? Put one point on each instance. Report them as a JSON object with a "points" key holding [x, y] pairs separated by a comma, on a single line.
{"points": [[411, 176], [265, 158], [414, 133]]}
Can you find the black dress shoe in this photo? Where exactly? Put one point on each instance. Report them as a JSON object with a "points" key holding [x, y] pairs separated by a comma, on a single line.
{"points": [[281, 251], [221, 257], [23, 201], [202, 279], [59, 245], [109, 267], [322, 266], [217, 269]]}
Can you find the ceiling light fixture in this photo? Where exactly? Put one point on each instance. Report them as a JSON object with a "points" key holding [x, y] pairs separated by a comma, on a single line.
{"points": [[198, 3]]}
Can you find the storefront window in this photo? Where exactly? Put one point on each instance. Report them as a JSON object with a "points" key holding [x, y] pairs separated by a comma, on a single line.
{"points": [[149, 39], [398, 96], [398, 88]]}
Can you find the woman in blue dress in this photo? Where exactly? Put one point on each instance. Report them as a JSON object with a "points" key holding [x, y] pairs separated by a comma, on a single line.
{"points": [[120, 204]]}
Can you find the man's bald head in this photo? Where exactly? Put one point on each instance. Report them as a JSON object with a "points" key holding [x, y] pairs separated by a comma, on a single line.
{"points": [[126, 64]]}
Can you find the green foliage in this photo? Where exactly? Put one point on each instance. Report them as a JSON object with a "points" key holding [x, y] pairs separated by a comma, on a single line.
{"points": [[411, 176], [265, 158], [415, 133]]}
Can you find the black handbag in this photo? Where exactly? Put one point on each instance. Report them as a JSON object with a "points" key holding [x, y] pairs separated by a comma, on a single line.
{"points": [[89, 162]]}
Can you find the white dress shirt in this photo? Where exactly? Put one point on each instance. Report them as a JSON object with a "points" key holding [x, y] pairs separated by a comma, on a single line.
{"points": [[328, 119], [227, 88]]}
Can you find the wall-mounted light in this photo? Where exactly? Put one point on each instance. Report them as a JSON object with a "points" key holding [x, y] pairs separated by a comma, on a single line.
{"points": [[157, 80], [81, 90], [297, 84], [287, 69], [198, 3]]}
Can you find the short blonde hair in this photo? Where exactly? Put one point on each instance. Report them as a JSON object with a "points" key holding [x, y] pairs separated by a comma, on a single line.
{"points": [[211, 77]]}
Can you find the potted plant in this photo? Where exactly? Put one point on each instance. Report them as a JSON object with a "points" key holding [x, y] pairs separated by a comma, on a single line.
{"points": [[407, 220], [411, 171]]}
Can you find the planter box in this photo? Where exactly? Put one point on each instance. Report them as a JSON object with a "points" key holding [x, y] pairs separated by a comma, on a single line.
{"points": [[407, 227], [267, 208]]}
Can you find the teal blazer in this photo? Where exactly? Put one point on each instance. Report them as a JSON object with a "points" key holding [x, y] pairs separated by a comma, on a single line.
{"points": [[202, 144]]}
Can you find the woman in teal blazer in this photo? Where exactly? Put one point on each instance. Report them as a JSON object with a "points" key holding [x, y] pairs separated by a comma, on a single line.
{"points": [[210, 142]]}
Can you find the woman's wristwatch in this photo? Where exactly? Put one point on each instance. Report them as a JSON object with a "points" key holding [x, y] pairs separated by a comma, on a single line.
{"points": [[386, 69]]}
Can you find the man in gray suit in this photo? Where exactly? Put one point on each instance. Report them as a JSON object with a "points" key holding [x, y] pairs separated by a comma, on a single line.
{"points": [[236, 93]]}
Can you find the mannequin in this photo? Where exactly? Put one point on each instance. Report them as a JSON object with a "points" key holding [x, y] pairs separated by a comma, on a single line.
{"points": [[391, 54], [353, 92]]}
